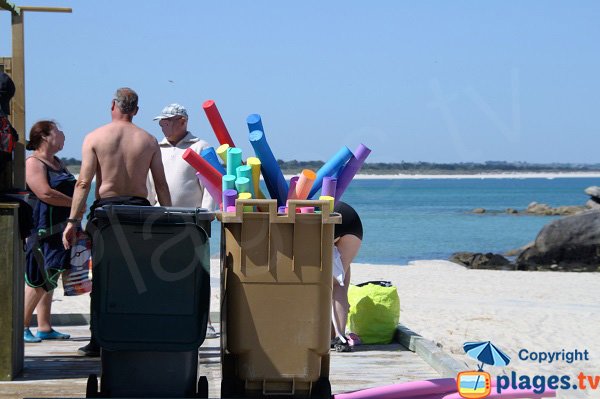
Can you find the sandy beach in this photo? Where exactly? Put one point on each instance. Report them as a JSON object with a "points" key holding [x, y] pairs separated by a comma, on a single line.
{"points": [[535, 311]]}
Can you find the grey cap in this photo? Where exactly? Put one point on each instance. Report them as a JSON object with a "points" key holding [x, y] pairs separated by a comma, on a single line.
{"points": [[172, 110]]}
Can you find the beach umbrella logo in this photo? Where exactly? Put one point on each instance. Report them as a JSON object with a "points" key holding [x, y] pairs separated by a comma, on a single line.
{"points": [[478, 384], [486, 353]]}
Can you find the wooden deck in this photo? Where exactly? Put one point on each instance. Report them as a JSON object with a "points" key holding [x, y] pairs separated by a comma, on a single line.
{"points": [[53, 369]]}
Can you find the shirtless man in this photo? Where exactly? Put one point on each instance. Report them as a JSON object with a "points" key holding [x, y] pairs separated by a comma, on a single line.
{"points": [[119, 154]]}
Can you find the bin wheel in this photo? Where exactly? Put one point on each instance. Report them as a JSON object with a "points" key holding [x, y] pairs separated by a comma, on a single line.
{"points": [[91, 389], [321, 389], [202, 389]]}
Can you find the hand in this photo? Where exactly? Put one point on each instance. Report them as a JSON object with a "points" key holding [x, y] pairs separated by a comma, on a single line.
{"points": [[69, 235]]}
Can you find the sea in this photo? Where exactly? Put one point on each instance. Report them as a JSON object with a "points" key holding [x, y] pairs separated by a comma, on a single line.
{"points": [[431, 218]]}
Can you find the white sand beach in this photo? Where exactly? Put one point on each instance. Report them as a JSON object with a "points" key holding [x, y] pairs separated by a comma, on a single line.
{"points": [[536, 311]]}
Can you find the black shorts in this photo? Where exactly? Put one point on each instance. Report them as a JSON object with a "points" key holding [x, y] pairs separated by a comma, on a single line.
{"points": [[351, 223]]}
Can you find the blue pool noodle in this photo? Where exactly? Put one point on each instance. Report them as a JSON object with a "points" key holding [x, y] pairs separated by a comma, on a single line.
{"points": [[210, 155], [276, 184], [330, 168], [254, 123]]}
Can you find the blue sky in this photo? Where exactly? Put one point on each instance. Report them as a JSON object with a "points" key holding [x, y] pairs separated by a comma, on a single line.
{"points": [[438, 81]]}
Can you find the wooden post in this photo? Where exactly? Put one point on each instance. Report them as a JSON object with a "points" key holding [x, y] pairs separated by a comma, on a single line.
{"points": [[12, 285], [18, 101]]}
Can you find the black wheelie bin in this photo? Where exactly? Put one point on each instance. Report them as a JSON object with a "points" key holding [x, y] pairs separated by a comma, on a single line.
{"points": [[150, 300]]}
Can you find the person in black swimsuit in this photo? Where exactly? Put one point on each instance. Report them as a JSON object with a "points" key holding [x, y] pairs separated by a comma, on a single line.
{"points": [[348, 238], [52, 184]]}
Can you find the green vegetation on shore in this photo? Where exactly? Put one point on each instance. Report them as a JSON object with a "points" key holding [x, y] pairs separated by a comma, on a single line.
{"points": [[424, 168]]}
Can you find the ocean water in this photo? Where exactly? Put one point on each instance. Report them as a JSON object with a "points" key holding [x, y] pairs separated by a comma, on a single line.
{"points": [[406, 220]]}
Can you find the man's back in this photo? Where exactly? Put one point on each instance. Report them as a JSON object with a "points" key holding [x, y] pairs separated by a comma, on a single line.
{"points": [[124, 153]]}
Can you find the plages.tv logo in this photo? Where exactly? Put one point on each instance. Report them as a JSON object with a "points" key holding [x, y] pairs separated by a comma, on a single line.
{"points": [[478, 384]]}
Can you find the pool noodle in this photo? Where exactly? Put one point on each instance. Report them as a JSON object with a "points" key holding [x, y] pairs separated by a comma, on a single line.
{"points": [[404, 390], [276, 184], [246, 171], [242, 185], [330, 168], [304, 184], [216, 122], [328, 188], [349, 171], [254, 123], [229, 182], [209, 174], [222, 152], [292, 190], [234, 159], [255, 165], [229, 197], [215, 191], [211, 157], [330, 199]]}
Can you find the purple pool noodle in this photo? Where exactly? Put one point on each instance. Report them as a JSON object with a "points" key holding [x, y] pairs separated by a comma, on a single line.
{"points": [[329, 185], [211, 157], [276, 184], [254, 123], [229, 197], [353, 166], [330, 168], [292, 190], [282, 209]]}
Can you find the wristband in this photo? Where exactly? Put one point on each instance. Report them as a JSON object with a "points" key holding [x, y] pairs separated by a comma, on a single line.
{"points": [[73, 220]]}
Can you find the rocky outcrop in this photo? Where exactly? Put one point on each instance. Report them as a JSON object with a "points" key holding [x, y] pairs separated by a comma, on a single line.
{"points": [[594, 201], [474, 260], [570, 243], [535, 208]]}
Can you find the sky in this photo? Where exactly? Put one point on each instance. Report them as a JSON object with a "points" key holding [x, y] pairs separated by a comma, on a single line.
{"points": [[434, 81]]}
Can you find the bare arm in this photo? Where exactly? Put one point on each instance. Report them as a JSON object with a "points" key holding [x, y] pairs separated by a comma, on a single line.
{"points": [[158, 176], [89, 164], [37, 180]]}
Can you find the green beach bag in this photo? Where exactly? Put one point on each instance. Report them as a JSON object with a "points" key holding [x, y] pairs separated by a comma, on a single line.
{"points": [[374, 311]]}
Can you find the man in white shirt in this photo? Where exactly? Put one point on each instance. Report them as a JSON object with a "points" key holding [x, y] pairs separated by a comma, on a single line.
{"points": [[185, 188]]}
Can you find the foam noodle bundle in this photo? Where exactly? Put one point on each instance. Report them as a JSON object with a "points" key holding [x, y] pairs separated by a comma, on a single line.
{"points": [[292, 190], [246, 171], [304, 184], [329, 185], [274, 179], [210, 156], [229, 182], [347, 174], [215, 191], [218, 126], [234, 159], [254, 123], [229, 197], [330, 168], [254, 163], [222, 152]]}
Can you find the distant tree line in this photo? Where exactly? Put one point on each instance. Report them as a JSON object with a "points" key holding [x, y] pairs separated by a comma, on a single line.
{"points": [[70, 161], [384, 168]]}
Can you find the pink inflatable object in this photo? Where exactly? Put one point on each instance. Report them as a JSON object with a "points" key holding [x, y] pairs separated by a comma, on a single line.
{"points": [[442, 388], [439, 387]]}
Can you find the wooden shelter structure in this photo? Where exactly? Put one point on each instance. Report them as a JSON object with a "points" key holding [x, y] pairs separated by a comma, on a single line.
{"points": [[12, 177]]}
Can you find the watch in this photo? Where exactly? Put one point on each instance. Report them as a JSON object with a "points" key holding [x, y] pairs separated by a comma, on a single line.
{"points": [[73, 220]]}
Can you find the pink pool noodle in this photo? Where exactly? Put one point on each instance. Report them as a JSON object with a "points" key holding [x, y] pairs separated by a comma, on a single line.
{"points": [[304, 184], [209, 175], [218, 126], [353, 166], [215, 191], [292, 190], [412, 389]]}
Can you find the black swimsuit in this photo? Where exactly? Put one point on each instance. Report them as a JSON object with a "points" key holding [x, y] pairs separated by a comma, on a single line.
{"points": [[351, 223]]}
